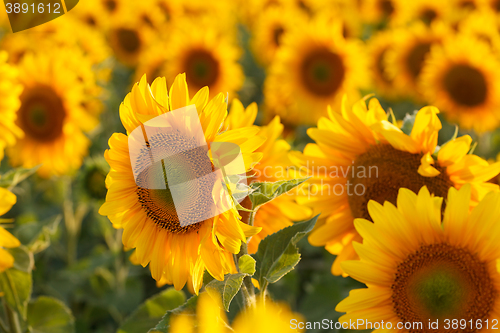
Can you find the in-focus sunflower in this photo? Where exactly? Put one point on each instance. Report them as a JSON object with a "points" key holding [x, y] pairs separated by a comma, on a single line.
{"points": [[464, 84], [7, 200], [359, 156], [282, 211], [51, 114], [404, 62], [207, 56], [420, 267], [10, 90], [313, 68], [177, 254], [269, 317], [269, 29]]}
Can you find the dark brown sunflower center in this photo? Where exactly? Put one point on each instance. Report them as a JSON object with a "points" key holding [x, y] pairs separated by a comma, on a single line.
{"points": [[440, 281], [322, 72], [202, 69], [387, 7], [90, 20], [189, 170], [416, 58], [428, 15], [466, 85], [467, 4], [277, 33], [382, 170], [496, 5], [42, 113], [110, 5], [128, 40], [380, 67]]}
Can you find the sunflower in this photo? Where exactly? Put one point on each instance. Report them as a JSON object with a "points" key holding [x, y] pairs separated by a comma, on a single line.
{"points": [[152, 62], [405, 60], [7, 200], [10, 90], [269, 28], [359, 156], [51, 114], [176, 254], [207, 56], [378, 46], [427, 11], [463, 84], [421, 268], [492, 4], [263, 317], [92, 13], [483, 25], [381, 11], [282, 211], [314, 67]]}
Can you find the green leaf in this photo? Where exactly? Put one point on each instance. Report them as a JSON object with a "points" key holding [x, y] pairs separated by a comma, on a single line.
{"points": [[188, 307], [408, 122], [36, 235], [23, 260], [278, 254], [152, 310], [267, 191], [227, 289], [16, 286], [49, 315], [246, 264], [15, 176]]}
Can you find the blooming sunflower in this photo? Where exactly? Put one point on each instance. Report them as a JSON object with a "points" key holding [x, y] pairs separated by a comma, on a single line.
{"points": [[427, 11], [463, 84], [404, 62], [313, 68], [282, 211], [420, 267], [483, 25], [208, 57], [10, 90], [359, 156], [176, 254], [381, 11], [7, 200], [263, 318], [51, 114], [378, 46]]}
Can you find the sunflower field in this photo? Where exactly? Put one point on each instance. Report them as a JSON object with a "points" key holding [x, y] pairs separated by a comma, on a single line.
{"points": [[249, 166]]}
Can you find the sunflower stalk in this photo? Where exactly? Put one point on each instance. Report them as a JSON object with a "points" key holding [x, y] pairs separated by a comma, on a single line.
{"points": [[13, 319], [72, 220]]}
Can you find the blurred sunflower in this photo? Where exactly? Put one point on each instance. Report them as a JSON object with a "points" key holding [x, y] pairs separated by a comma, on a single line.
{"points": [[266, 317], [176, 254], [152, 62], [427, 11], [10, 90], [207, 56], [269, 28], [464, 84], [51, 114], [381, 11], [404, 62], [93, 13], [170, 9], [7, 200], [493, 5], [379, 45], [420, 267], [282, 211], [483, 25], [313, 68], [359, 156]]}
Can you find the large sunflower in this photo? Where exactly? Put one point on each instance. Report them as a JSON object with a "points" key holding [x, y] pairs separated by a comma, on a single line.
{"points": [[176, 254], [51, 114], [207, 56], [7, 200], [282, 211], [464, 84], [421, 268], [404, 62], [313, 68], [10, 89], [359, 156]]}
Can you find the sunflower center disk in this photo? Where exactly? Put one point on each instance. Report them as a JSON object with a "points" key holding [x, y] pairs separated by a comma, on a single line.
{"points": [[322, 72], [202, 69], [382, 170], [42, 113], [277, 33], [440, 281], [128, 40], [466, 85], [416, 57]]}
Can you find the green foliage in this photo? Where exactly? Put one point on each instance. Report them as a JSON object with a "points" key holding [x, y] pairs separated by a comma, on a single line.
{"points": [[49, 315], [13, 177], [188, 307], [36, 235], [278, 254], [16, 282], [267, 191], [152, 310]]}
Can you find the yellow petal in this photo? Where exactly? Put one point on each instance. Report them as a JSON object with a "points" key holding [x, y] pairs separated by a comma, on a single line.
{"points": [[426, 169], [454, 150], [7, 200]]}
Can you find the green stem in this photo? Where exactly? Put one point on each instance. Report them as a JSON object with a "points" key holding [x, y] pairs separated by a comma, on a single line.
{"points": [[13, 318], [72, 221], [3, 326]]}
